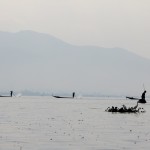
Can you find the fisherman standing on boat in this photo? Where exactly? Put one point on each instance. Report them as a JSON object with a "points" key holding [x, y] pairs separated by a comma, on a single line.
{"points": [[73, 94], [142, 100], [11, 93]]}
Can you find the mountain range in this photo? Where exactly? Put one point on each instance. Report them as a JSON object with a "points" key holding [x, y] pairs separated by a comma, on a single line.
{"points": [[35, 61]]}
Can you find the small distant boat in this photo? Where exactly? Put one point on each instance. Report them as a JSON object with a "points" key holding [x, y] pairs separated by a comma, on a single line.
{"points": [[5, 96], [11, 93], [61, 97], [73, 95], [133, 98], [139, 100]]}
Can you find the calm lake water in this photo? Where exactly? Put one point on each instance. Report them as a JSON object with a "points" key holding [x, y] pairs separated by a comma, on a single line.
{"points": [[46, 123]]}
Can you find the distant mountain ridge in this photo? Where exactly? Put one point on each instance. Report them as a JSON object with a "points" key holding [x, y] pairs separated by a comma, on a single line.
{"points": [[31, 60]]}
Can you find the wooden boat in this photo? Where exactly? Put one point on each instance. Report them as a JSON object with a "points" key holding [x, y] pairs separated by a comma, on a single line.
{"points": [[73, 95], [11, 94], [139, 100], [61, 97], [5, 96], [133, 98]]}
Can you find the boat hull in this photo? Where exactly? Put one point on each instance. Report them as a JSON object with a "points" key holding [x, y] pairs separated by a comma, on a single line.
{"points": [[5, 96], [61, 97]]}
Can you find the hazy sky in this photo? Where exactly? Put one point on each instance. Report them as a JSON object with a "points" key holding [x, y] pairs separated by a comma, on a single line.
{"points": [[107, 23]]}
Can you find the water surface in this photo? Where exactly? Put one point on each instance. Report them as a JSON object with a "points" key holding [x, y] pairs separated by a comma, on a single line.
{"points": [[44, 123]]}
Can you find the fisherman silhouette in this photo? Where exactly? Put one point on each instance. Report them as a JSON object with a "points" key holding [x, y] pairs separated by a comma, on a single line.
{"points": [[73, 94], [11, 93], [142, 100]]}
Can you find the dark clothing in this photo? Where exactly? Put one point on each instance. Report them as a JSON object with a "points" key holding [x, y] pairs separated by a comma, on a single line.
{"points": [[142, 100], [11, 93], [73, 94], [143, 95]]}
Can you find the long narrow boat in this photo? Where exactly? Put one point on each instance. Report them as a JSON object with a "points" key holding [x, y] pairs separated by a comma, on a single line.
{"points": [[11, 94], [73, 95], [5, 96], [139, 100], [61, 97], [133, 98]]}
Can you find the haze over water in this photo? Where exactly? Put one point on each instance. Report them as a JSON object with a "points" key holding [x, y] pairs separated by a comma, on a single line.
{"points": [[96, 47]]}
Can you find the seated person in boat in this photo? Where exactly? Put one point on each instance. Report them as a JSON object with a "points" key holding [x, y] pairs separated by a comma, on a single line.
{"points": [[142, 100]]}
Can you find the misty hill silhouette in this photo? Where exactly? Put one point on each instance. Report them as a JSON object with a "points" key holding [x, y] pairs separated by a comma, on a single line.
{"points": [[40, 61]]}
